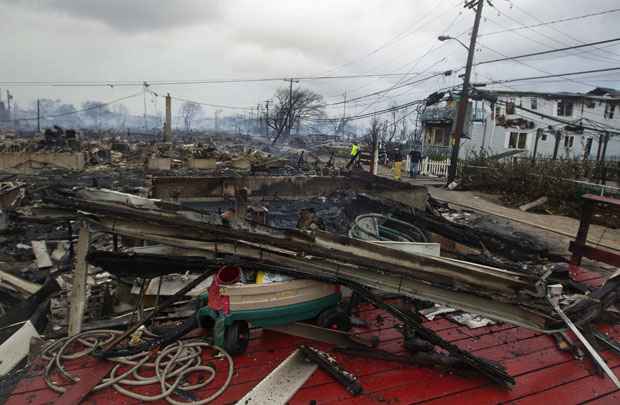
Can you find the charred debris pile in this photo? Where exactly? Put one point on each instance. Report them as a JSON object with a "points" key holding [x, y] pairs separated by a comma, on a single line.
{"points": [[114, 263]]}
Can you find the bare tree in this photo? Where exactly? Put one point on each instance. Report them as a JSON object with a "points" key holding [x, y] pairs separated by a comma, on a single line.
{"points": [[305, 104], [189, 111]]}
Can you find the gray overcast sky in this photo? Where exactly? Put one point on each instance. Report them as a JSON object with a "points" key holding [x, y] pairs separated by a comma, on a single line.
{"points": [[115, 40]]}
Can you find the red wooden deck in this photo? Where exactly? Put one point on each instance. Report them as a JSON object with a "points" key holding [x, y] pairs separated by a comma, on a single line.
{"points": [[543, 373]]}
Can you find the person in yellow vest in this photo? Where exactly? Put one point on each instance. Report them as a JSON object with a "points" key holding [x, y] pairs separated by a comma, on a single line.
{"points": [[355, 151], [398, 158]]}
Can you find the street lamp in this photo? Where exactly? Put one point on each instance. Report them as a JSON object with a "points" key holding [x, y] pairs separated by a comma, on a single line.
{"points": [[443, 38]]}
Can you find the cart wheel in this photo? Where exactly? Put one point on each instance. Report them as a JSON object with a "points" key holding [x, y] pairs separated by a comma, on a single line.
{"points": [[334, 318], [237, 337]]}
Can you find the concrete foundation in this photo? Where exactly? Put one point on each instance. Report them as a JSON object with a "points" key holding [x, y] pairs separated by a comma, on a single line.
{"points": [[202, 164], [25, 162], [159, 164], [206, 188]]}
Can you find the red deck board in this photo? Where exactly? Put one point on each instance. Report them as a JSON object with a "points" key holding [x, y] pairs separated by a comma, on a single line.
{"points": [[575, 392], [530, 357]]}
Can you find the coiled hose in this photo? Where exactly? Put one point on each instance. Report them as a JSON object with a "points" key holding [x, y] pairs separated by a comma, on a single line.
{"points": [[172, 365]]}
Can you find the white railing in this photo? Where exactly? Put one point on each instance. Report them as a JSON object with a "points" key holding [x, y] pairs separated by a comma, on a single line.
{"points": [[438, 168]]}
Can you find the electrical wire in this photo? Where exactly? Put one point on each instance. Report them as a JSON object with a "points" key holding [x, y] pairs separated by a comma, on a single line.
{"points": [[113, 84], [369, 114], [566, 34], [230, 107], [95, 107], [615, 131], [392, 41], [527, 55], [551, 22], [583, 72], [509, 17]]}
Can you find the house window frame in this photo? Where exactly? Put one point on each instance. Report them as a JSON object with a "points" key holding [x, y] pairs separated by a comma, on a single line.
{"points": [[569, 144], [609, 110], [565, 108], [534, 103], [520, 140]]}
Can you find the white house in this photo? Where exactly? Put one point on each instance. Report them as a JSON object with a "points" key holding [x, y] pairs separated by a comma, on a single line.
{"points": [[567, 125]]}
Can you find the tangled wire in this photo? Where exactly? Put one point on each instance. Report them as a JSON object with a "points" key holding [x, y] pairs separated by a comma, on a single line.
{"points": [[172, 366]]}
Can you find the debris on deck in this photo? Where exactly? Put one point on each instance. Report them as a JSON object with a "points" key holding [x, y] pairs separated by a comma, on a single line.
{"points": [[154, 266]]}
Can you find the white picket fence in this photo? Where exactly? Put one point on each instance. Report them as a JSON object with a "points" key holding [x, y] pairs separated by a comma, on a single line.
{"points": [[428, 167]]}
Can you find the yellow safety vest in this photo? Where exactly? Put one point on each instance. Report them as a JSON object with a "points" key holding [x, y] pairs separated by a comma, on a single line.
{"points": [[354, 150]]}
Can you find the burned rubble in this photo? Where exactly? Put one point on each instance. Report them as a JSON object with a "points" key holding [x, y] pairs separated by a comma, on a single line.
{"points": [[147, 244]]}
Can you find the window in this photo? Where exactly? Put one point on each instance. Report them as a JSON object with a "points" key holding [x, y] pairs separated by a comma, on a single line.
{"points": [[609, 110], [522, 140], [565, 108], [517, 140], [510, 108], [534, 103], [569, 140], [543, 137], [498, 110], [590, 104]]}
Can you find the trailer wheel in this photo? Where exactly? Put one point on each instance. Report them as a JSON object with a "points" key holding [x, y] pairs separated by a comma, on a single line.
{"points": [[237, 337], [334, 318]]}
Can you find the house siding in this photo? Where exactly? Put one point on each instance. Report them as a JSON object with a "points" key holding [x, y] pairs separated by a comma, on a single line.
{"points": [[490, 134]]}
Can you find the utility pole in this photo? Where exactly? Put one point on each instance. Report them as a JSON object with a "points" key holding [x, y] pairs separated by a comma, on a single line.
{"points": [[539, 133], [267, 118], [602, 161], [258, 118], [290, 117], [344, 113], [9, 98], [38, 115], [556, 145], [8, 104], [145, 85], [462, 111], [168, 123]]}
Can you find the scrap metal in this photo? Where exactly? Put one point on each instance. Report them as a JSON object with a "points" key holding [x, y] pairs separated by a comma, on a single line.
{"points": [[514, 297], [331, 366]]}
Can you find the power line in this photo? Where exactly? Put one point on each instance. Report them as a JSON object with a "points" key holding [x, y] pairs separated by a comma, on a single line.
{"points": [[407, 84], [549, 51], [113, 84], [568, 34], [95, 107], [583, 72], [372, 113], [544, 23], [506, 15], [392, 41], [549, 117], [210, 104], [534, 67]]}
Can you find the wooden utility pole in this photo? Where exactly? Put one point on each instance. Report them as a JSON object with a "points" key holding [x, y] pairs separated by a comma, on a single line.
{"points": [[602, 161], [267, 118], [556, 147], [168, 124], [601, 140], [344, 113], [290, 117], [8, 104], [38, 115], [539, 133], [462, 111]]}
